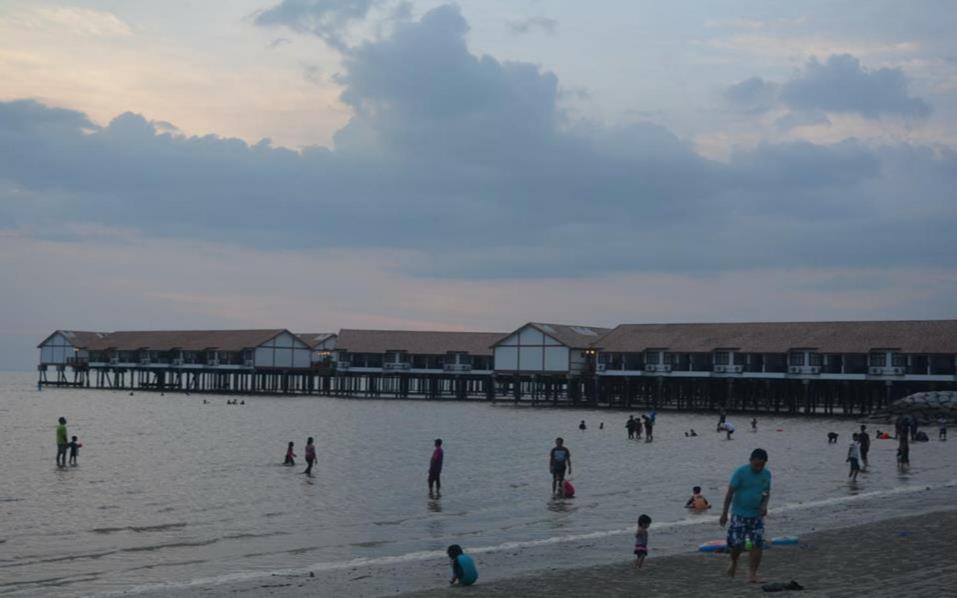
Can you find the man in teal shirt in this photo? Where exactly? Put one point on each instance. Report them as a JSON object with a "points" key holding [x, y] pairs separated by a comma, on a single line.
{"points": [[747, 497], [61, 443]]}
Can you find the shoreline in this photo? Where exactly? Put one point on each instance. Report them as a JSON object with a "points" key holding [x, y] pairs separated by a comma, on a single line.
{"points": [[881, 557], [893, 557]]}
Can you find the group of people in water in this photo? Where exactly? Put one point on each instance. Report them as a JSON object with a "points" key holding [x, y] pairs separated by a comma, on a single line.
{"points": [[310, 456], [636, 425], [63, 446]]}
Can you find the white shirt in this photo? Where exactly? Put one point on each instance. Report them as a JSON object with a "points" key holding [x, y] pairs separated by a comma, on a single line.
{"points": [[854, 451]]}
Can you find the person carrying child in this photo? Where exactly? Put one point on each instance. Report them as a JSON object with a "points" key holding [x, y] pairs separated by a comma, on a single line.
{"points": [[463, 567], [641, 540]]}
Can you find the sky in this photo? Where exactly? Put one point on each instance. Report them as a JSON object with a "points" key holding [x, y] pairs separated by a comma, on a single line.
{"points": [[324, 164]]}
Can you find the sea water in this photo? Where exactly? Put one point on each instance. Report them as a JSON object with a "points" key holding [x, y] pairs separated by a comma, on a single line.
{"points": [[174, 494]]}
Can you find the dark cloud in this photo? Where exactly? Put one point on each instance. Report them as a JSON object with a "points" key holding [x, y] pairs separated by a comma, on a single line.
{"points": [[840, 85], [469, 164], [754, 95], [326, 19], [531, 24]]}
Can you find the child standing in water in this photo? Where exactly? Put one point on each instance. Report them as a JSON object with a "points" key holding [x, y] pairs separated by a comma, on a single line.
{"points": [[310, 455], [854, 458], [463, 567], [290, 455], [74, 449], [641, 540]]}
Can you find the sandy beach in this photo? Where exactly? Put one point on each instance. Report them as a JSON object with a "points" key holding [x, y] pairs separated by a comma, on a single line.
{"points": [[910, 556]]}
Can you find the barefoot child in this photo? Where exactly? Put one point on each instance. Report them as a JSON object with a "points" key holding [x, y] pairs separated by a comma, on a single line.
{"points": [[463, 567], [290, 454], [74, 449], [854, 458], [641, 540], [310, 455]]}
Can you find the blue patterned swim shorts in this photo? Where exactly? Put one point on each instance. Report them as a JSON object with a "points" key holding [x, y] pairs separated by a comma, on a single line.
{"points": [[742, 528]]}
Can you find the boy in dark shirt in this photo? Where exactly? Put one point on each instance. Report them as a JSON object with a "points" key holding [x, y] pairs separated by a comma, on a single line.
{"points": [[559, 459], [74, 449]]}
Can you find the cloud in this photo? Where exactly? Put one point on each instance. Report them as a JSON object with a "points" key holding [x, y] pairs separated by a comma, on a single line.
{"points": [[327, 19], [86, 21], [463, 166], [840, 85], [530, 24], [754, 95]]}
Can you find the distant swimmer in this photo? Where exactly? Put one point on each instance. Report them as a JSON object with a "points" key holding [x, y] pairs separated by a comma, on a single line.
{"points": [[61, 443], [754, 424], [290, 454], [697, 502], [832, 437], [463, 567], [74, 450], [601, 425], [310, 455], [559, 460], [582, 426], [435, 469]]}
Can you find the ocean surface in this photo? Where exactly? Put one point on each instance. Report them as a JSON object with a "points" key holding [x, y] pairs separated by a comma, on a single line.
{"points": [[173, 495]]}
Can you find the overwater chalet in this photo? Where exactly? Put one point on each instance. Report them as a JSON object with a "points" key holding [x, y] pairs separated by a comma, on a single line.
{"points": [[538, 348], [758, 365], [201, 349], [415, 351], [322, 344], [919, 350], [67, 347]]}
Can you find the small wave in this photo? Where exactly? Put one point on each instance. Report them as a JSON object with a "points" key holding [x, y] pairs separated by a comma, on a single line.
{"points": [[173, 564], [246, 576], [250, 535], [139, 528], [169, 545]]}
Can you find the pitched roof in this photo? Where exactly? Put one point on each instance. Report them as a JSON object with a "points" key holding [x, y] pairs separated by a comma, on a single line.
{"points": [[573, 337], [908, 336], [187, 340], [77, 338], [419, 342], [314, 339]]}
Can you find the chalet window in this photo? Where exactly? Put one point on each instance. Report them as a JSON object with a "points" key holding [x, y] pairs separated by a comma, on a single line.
{"points": [[816, 359], [796, 358], [899, 360], [722, 358], [651, 357], [877, 360]]}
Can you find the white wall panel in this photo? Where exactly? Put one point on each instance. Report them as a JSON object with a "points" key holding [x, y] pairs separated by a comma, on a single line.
{"points": [[556, 359], [283, 358], [530, 359], [531, 336], [300, 358], [506, 358], [550, 341], [264, 357], [284, 340]]}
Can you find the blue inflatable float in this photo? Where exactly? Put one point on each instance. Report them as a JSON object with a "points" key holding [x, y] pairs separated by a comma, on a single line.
{"points": [[784, 540]]}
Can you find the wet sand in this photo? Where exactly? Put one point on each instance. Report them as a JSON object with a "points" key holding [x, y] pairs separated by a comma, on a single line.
{"points": [[910, 556]]}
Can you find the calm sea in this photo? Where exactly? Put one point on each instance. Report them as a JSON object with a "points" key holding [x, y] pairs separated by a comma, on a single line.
{"points": [[172, 494]]}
